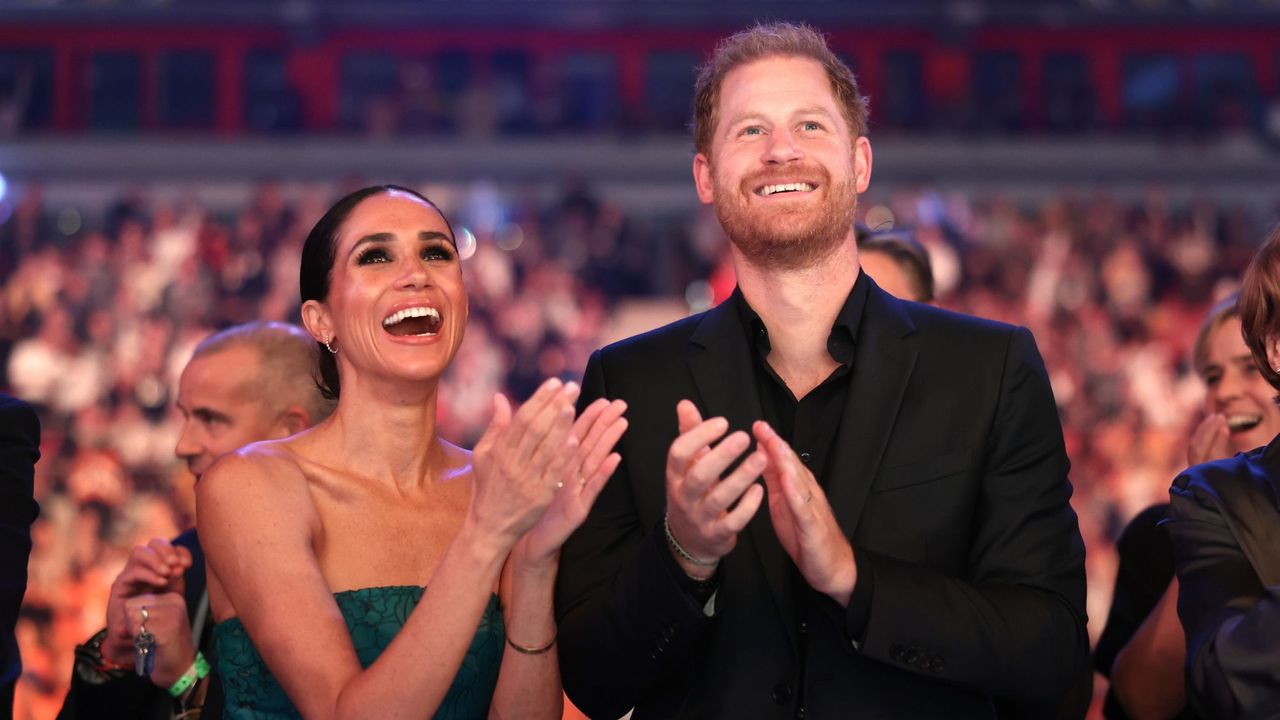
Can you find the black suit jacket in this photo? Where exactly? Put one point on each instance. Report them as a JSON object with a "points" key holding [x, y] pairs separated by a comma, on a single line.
{"points": [[126, 695], [1224, 520], [949, 476], [19, 450]]}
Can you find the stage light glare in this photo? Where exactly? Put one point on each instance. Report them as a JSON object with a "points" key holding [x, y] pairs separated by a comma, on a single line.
{"points": [[880, 217], [466, 243], [69, 221], [510, 236], [699, 296]]}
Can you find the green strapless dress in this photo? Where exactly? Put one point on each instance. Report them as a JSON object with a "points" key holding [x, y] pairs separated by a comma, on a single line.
{"points": [[374, 616]]}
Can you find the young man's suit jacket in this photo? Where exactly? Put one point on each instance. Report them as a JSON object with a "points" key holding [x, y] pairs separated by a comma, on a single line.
{"points": [[1224, 520], [949, 476]]}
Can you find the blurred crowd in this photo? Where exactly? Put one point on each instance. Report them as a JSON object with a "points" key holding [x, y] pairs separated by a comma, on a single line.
{"points": [[98, 316]]}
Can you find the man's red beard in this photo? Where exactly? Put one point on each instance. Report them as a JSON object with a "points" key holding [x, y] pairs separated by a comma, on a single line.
{"points": [[781, 239]]}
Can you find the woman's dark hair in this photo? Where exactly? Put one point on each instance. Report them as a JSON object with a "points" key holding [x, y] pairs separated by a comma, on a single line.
{"points": [[318, 255]]}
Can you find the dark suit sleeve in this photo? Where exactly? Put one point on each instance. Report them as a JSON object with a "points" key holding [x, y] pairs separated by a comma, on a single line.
{"points": [[99, 695], [1232, 621], [1014, 625], [626, 623], [19, 450]]}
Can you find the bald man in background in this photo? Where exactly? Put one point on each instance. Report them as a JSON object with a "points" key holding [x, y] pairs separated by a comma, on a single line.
{"points": [[244, 384]]}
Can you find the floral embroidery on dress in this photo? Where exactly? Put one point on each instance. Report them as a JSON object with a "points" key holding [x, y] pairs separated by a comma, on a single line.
{"points": [[373, 616]]}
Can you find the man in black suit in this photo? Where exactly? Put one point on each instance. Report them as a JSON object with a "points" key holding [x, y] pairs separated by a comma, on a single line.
{"points": [[19, 450], [246, 383], [918, 556]]}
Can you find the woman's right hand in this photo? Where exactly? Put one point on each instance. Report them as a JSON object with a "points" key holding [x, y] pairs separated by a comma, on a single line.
{"points": [[1209, 441], [521, 458]]}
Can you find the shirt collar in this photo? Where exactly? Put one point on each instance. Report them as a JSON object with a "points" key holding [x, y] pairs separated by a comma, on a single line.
{"points": [[843, 334]]}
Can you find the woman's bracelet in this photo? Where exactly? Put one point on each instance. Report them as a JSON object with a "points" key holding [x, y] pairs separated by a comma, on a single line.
{"points": [[523, 650], [198, 671], [675, 545]]}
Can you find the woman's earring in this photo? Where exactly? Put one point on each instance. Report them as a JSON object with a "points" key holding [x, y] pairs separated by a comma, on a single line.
{"points": [[328, 345]]}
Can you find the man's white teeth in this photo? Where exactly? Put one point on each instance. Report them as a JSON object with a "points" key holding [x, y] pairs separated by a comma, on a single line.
{"points": [[413, 312], [768, 190], [1236, 423]]}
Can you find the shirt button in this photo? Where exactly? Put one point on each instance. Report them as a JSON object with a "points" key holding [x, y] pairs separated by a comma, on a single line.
{"points": [[804, 458], [782, 693]]}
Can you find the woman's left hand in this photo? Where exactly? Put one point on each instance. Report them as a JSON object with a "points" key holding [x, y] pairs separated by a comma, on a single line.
{"points": [[597, 430]]}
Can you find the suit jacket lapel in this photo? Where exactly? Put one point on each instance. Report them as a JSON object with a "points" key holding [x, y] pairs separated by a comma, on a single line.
{"points": [[721, 363], [883, 362]]}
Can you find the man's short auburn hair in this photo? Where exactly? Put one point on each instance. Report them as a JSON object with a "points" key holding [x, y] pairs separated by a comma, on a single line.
{"points": [[765, 41], [1259, 304]]}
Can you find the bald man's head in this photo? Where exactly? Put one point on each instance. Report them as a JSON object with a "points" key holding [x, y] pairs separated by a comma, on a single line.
{"points": [[244, 384]]}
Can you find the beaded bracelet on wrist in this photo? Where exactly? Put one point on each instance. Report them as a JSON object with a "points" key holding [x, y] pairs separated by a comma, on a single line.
{"points": [[675, 545]]}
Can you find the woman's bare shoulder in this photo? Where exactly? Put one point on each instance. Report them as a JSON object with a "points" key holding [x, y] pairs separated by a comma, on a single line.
{"points": [[270, 470]]}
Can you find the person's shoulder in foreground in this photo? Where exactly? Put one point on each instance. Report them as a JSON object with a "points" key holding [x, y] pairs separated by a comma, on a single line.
{"points": [[19, 451]]}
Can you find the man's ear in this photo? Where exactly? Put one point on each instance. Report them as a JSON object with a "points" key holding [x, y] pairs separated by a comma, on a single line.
{"points": [[1273, 352], [315, 318], [703, 179], [861, 164], [291, 421]]}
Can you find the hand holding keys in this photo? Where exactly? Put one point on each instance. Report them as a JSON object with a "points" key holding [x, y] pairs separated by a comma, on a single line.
{"points": [[144, 658]]}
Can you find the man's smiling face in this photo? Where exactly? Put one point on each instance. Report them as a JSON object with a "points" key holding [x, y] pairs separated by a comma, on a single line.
{"points": [[784, 171]]}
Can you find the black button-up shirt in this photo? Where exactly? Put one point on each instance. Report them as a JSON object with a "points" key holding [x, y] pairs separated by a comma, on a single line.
{"points": [[810, 425]]}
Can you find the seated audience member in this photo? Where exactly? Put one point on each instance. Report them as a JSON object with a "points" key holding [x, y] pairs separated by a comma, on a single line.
{"points": [[1224, 521], [244, 384], [19, 450], [898, 263], [367, 568], [911, 552], [1142, 648]]}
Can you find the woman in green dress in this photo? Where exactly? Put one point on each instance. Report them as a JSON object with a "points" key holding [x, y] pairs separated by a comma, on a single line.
{"points": [[366, 567]]}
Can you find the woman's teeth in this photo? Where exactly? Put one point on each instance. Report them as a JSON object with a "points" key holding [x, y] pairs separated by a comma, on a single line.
{"points": [[413, 321]]}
